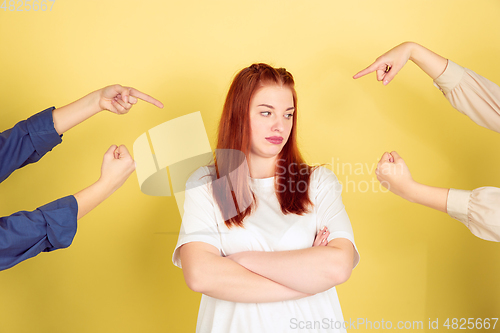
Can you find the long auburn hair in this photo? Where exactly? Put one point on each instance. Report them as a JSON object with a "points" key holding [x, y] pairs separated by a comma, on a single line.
{"points": [[292, 174]]}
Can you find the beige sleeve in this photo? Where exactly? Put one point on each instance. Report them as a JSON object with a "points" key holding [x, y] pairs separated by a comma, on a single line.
{"points": [[473, 95], [478, 210]]}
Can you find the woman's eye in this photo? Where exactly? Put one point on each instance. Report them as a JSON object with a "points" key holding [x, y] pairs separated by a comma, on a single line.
{"points": [[289, 115], [265, 113]]}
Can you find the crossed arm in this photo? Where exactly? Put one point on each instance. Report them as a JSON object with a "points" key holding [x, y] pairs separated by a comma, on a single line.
{"points": [[258, 277]]}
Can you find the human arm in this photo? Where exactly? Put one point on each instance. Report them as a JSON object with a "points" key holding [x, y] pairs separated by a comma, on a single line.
{"points": [[390, 63], [312, 270], [115, 98], [470, 93], [393, 173], [53, 226], [116, 168], [27, 142], [318, 268], [200, 223], [25, 234], [478, 210], [199, 252], [207, 272]]}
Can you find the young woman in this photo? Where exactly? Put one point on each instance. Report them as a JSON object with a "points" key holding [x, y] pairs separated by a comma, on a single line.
{"points": [[265, 238], [472, 95]]}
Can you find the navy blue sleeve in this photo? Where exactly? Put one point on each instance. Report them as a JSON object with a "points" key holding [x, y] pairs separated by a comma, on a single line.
{"points": [[27, 142], [25, 234]]}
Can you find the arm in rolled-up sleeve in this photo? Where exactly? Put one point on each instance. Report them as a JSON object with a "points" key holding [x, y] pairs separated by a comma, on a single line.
{"points": [[27, 142], [25, 234], [478, 210], [471, 94]]}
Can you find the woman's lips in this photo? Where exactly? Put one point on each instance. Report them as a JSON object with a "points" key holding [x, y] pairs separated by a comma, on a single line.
{"points": [[275, 140]]}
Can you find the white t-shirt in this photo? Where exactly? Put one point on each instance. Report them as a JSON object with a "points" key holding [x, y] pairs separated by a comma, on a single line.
{"points": [[267, 229]]}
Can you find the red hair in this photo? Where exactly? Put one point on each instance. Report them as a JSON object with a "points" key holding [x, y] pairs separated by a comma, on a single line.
{"points": [[234, 133]]}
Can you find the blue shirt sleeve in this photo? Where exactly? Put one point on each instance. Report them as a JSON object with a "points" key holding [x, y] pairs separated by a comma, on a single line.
{"points": [[27, 142], [25, 234]]}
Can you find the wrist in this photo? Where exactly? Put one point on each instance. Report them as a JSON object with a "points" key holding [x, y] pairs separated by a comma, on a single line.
{"points": [[411, 191], [90, 197], [94, 101], [412, 48], [104, 187]]}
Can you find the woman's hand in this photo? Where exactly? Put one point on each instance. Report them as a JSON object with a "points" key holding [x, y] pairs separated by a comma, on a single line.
{"points": [[322, 237], [115, 98], [116, 167], [320, 240], [394, 175], [389, 63], [119, 100]]}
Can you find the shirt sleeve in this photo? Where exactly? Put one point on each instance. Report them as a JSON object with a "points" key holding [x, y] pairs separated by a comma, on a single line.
{"points": [[25, 234], [329, 208], [27, 142], [471, 94], [478, 210], [199, 223]]}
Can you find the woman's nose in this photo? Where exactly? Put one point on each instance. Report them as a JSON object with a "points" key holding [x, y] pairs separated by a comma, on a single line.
{"points": [[278, 124]]}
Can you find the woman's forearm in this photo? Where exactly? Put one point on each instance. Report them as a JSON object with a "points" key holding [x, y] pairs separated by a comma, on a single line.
{"points": [[116, 99], [310, 270], [233, 282], [205, 271], [117, 165], [90, 197], [73, 114], [432, 197], [394, 174], [431, 63]]}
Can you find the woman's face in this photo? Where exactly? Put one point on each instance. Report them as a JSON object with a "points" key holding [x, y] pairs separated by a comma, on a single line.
{"points": [[271, 119]]}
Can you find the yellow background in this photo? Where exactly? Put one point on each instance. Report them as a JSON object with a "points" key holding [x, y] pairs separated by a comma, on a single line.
{"points": [[117, 276]]}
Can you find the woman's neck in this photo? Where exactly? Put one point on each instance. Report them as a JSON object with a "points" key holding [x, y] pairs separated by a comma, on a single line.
{"points": [[262, 167]]}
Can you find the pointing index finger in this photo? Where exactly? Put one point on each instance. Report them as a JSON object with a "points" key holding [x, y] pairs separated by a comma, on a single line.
{"points": [[367, 70], [377, 65], [136, 93]]}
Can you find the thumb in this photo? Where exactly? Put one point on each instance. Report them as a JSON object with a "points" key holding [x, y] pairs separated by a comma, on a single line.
{"points": [[386, 157], [110, 151], [396, 157], [115, 90], [393, 70], [122, 152], [125, 95]]}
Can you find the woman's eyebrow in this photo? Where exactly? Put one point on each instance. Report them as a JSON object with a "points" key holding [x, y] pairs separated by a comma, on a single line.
{"points": [[267, 106], [272, 107]]}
